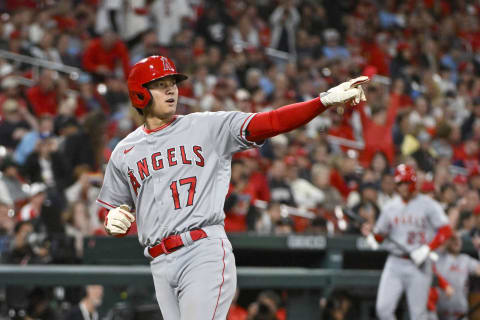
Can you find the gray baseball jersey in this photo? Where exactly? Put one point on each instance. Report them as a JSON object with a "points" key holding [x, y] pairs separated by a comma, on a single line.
{"points": [[411, 224], [456, 270], [177, 176]]}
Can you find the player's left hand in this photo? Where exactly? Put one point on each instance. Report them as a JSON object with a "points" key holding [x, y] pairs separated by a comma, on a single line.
{"points": [[420, 254], [347, 92]]}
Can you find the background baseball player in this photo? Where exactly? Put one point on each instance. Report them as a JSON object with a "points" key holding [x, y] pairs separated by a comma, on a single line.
{"points": [[456, 268], [174, 171], [416, 225]]}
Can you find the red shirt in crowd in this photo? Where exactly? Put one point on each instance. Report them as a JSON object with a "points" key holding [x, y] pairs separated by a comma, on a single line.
{"points": [[96, 55], [337, 181], [343, 130], [43, 102], [376, 57], [237, 313], [256, 189], [379, 137], [470, 159], [12, 5]]}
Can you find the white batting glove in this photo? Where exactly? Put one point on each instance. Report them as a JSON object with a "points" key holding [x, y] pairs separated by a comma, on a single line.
{"points": [[371, 242], [420, 254], [347, 92], [118, 221]]}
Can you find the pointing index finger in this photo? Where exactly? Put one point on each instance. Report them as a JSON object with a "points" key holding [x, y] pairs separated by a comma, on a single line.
{"points": [[359, 80]]}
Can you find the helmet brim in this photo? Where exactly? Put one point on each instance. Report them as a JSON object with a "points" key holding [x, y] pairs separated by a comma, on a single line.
{"points": [[179, 77]]}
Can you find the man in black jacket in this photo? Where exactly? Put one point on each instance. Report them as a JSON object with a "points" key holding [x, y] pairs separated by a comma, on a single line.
{"points": [[86, 309]]}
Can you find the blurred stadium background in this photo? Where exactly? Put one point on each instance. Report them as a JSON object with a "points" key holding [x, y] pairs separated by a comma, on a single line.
{"points": [[295, 207]]}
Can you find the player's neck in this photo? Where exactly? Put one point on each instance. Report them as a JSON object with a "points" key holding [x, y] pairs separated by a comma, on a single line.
{"points": [[152, 123]]}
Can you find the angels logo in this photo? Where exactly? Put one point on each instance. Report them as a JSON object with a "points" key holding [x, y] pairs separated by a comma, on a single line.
{"points": [[133, 181], [167, 65]]}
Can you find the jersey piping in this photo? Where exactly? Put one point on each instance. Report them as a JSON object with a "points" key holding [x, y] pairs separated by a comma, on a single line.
{"points": [[163, 126]]}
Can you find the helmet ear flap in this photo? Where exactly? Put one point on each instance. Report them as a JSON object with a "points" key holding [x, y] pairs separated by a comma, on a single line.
{"points": [[140, 98]]}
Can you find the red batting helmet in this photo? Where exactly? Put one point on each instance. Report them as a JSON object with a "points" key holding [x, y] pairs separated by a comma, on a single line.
{"points": [[406, 173], [146, 71]]}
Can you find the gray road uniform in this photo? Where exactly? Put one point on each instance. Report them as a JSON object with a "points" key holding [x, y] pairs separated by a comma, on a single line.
{"points": [[176, 178], [456, 270], [411, 224]]}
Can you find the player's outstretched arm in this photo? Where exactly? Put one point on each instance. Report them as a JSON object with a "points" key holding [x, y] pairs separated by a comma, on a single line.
{"points": [[268, 124], [118, 221]]}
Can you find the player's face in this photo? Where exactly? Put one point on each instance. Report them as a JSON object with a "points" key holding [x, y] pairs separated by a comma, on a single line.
{"points": [[165, 97], [454, 244], [403, 190]]}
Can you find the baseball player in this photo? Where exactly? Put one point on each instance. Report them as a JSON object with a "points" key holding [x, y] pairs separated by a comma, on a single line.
{"points": [[416, 225], [456, 268], [171, 176]]}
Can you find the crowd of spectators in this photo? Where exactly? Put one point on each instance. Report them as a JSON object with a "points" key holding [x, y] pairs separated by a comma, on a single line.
{"points": [[58, 129]]}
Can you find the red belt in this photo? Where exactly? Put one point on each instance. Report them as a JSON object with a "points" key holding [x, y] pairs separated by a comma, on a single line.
{"points": [[174, 242]]}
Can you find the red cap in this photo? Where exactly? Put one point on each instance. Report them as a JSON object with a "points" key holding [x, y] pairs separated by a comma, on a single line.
{"points": [[370, 71], [406, 173], [460, 179], [428, 186]]}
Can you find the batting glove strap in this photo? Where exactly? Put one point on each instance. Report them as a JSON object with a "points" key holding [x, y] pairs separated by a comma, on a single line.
{"points": [[347, 92], [118, 221], [420, 254]]}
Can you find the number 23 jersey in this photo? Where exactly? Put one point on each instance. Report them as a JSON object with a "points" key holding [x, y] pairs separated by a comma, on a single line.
{"points": [[176, 177], [411, 224]]}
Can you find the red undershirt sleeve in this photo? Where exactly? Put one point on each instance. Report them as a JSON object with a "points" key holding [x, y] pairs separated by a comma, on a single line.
{"points": [[443, 233], [442, 282], [269, 124]]}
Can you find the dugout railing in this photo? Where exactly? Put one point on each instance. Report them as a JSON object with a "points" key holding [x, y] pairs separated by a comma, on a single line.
{"points": [[308, 267], [305, 286]]}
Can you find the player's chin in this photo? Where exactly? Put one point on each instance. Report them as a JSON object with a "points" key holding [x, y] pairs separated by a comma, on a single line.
{"points": [[171, 111], [170, 108], [165, 111]]}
